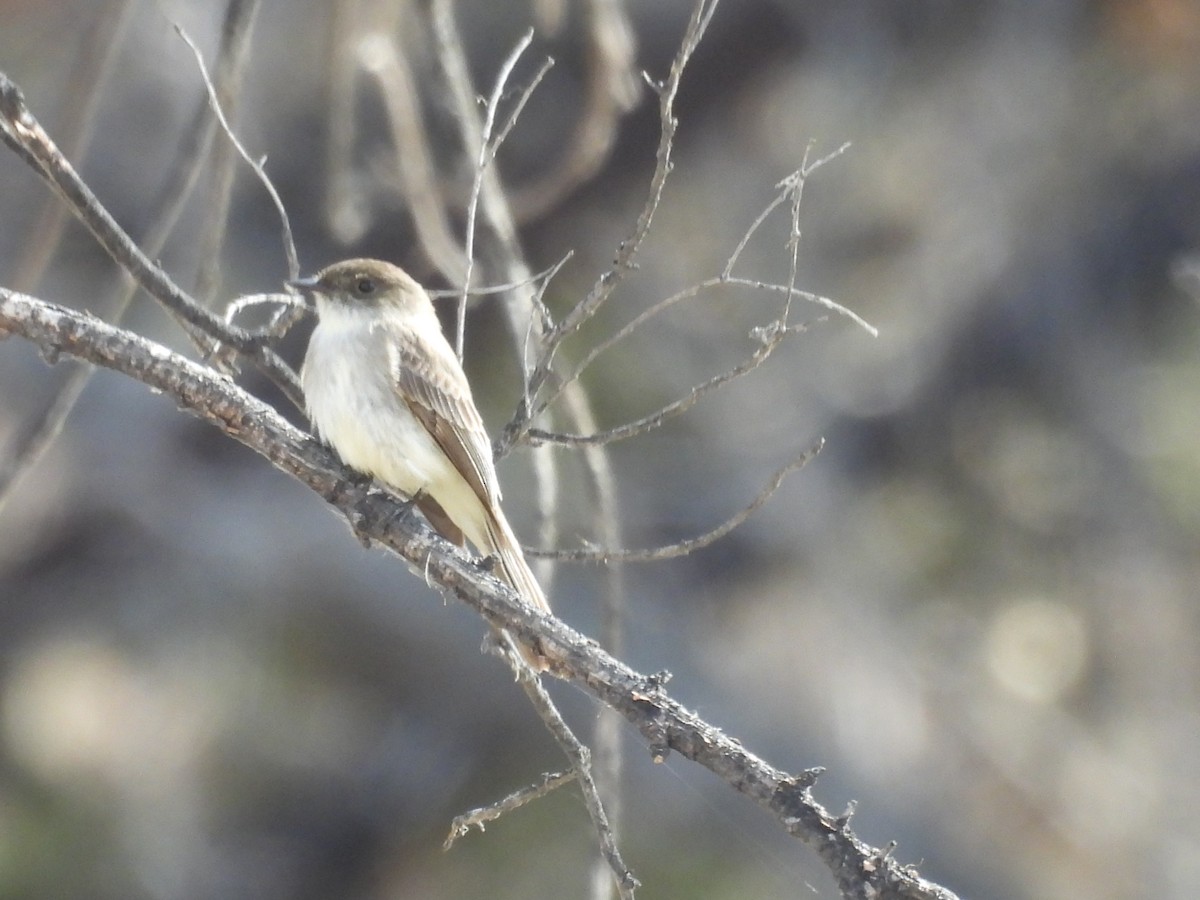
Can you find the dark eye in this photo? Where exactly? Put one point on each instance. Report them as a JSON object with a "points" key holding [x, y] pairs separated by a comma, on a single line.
{"points": [[365, 285]]}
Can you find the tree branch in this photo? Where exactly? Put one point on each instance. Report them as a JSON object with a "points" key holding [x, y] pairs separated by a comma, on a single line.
{"points": [[861, 871]]}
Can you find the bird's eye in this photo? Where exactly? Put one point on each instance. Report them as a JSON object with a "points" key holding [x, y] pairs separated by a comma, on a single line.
{"points": [[365, 285]]}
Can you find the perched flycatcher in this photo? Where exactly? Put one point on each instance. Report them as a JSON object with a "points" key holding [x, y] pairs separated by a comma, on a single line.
{"points": [[384, 388]]}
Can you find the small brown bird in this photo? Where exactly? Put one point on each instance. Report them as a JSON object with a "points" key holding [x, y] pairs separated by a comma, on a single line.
{"points": [[385, 389]]}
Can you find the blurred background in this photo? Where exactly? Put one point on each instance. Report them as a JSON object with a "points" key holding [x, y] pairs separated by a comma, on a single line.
{"points": [[977, 608]]}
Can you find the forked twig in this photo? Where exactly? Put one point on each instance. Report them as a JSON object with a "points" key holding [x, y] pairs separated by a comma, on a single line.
{"points": [[792, 188], [627, 252], [560, 384], [486, 154], [769, 337], [581, 765]]}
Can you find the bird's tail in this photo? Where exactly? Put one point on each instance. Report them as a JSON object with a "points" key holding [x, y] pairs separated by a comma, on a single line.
{"points": [[513, 570]]}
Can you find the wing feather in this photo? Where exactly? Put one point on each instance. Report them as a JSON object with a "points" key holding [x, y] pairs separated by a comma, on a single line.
{"points": [[433, 385]]}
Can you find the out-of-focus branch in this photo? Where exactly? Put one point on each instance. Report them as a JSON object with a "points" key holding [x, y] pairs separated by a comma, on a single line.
{"points": [[860, 870], [612, 90], [380, 55], [345, 199], [85, 88]]}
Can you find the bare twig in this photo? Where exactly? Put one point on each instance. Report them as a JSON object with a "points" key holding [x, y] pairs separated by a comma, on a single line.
{"points": [[581, 766], [627, 252], [257, 166], [860, 870], [691, 545], [792, 188], [486, 153], [519, 106], [479, 817], [291, 309], [662, 306], [769, 338], [792, 293], [224, 93], [539, 279]]}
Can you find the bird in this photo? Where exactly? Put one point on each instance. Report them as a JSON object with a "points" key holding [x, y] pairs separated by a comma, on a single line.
{"points": [[384, 388]]}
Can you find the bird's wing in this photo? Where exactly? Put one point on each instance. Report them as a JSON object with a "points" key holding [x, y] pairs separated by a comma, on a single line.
{"points": [[437, 392]]}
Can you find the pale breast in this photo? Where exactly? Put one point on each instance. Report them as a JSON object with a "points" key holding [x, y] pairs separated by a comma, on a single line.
{"points": [[354, 407]]}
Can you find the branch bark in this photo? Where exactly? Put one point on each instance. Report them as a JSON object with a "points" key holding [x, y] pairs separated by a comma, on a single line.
{"points": [[861, 871]]}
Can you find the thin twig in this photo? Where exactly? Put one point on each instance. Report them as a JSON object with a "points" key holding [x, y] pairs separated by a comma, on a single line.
{"points": [[691, 545], [480, 816], [581, 767], [540, 280], [485, 154], [662, 306], [224, 95], [788, 189], [239, 305], [519, 106], [256, 165], [770, 337], [627, 252]]}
